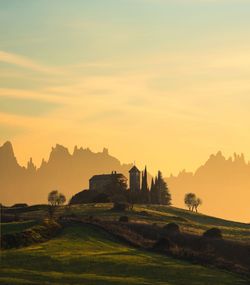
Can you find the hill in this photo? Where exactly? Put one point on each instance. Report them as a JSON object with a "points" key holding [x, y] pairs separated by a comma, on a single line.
{"points": [[91, 256], [189, 222]]}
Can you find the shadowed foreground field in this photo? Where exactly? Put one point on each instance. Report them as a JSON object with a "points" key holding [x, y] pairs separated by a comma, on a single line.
{"points": [[89, 256]]}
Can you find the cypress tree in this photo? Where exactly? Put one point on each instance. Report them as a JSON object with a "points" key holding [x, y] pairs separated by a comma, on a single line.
{"points": [[163, 194], [142, 181], [147, 194], [152, 184], [153, 199], [157, 190], [142, 187], [145, 190]]}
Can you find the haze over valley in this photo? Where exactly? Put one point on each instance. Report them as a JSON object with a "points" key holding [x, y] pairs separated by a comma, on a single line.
{"points": [[222, 183]]}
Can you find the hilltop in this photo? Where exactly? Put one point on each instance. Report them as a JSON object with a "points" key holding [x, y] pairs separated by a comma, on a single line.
{"points": [[221, 182]]}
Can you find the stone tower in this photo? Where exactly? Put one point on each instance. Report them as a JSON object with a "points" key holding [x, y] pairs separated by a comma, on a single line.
{"points": [[135, 179]]}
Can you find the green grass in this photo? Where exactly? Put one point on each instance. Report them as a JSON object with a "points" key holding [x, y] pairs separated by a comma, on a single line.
{"points": [[9, 228], [189, 222], [197, 223], [89, 256]]}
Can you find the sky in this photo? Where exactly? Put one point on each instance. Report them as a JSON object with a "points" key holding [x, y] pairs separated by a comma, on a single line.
{"points": [[160, 82]]}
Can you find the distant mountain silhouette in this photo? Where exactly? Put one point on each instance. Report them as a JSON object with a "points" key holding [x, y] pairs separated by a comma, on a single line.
{"points": [[67, 172], [223, 184]]}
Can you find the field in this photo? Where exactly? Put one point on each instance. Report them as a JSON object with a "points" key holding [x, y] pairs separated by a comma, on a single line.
{"points": [[189, 222], [14, 227], [84, 254]]}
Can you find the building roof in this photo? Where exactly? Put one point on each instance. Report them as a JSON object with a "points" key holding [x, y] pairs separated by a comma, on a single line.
{"points": [[107, 176], [134, 169]]}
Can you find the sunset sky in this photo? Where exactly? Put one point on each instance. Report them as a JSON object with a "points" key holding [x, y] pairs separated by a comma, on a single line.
{"points": [[160, 82]]}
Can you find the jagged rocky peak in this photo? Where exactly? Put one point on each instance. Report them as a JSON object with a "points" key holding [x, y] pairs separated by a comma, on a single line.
{"points": [[219, 154], [43, 163], [105, 151], [58, 152], [30, 165], [76, 150], [239, 158], [7, 153], [185, 173], [218, 157], [7, 149]]}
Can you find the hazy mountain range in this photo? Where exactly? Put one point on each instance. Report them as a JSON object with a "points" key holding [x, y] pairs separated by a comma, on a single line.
{"points": [[223, 184], [66, 172]]}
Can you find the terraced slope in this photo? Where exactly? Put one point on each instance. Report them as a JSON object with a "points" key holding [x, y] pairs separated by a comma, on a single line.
{"points": [[87, 255]]}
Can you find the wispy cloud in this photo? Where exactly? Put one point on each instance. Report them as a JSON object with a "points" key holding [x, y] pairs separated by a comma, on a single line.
{"points": [[34, 95], [26, 62], [26, 106]]}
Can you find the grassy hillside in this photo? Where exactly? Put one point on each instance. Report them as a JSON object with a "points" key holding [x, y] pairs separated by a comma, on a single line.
{"points": [[89, 256], [9, 228], [189, 222]]}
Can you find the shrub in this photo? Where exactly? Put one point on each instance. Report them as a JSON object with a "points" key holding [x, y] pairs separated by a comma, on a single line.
{"points": [[120, 206], [20, 205], [124, 219], [172, 228], [83, 197], [39, 233], [101, 198], [163, 243], [213, 233]]}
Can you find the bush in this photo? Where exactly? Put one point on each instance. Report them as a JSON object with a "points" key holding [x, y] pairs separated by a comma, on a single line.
{"points": [[39, 233], [213, 233], [120, 206], [163, 243], [83, 197], [172, 228], [20, 205], [124, 219], [101, 198]]}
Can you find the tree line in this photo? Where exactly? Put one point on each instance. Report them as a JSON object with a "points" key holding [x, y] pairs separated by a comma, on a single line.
{"points": [[157, 193], [116, 191]]}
